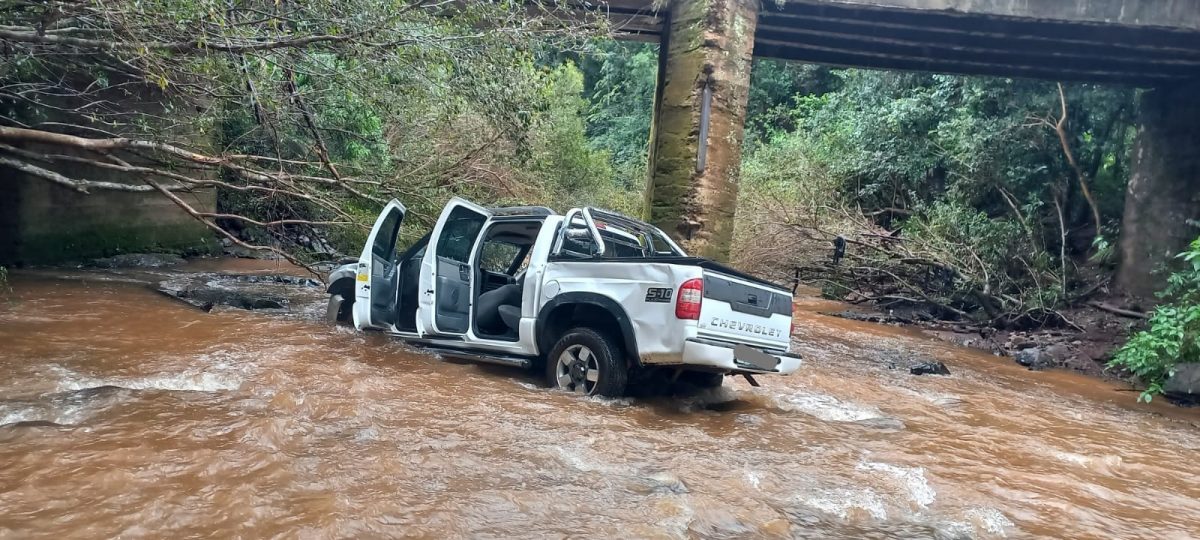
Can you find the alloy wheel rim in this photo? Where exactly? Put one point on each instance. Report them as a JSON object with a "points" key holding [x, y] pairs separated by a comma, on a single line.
{"points": [[577, 370]]}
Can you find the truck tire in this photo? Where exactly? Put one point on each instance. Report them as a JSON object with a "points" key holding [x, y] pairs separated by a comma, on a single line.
{"points": [[588, 363]]}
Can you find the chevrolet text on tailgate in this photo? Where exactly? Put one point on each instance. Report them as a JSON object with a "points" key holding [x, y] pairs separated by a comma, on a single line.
{"points": [[594, 298]]}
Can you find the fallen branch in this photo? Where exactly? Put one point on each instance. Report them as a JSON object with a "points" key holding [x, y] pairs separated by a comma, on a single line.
{"points": [[1119, 311], [232, 238]]}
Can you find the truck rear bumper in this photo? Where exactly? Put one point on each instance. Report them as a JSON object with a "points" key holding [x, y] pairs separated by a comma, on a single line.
{"points": [[721, 356]]}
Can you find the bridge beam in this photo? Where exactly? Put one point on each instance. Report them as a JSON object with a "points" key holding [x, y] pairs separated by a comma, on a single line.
{"points": [[1162, 201], [699, 112]]}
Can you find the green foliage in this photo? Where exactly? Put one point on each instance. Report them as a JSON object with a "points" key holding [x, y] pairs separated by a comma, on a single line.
{"points": [[964, 171], [621, 103], [313, 115], [562, 157], [776, 86], [1172, 335], [516, 135]]}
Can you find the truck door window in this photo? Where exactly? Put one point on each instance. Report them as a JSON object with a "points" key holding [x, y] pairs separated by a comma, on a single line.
{"points": [[459, 234], [385, 242]]}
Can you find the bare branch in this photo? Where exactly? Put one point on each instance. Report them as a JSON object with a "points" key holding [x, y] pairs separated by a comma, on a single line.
{"points": [[177, 46], [232, 238]]}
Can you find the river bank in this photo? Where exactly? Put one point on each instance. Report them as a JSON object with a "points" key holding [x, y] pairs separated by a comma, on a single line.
{"points": [[1085, 346]]}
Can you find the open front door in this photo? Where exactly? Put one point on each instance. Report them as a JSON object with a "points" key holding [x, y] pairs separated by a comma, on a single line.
{"points": [[446, 273], [376, 281]]}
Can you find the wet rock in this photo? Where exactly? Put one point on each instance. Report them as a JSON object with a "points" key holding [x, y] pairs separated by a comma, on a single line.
{"points": [[882, 423], [715, 522], [776, 528], [1032, 358], [658, 482], [138, 260], [863, 317], [949, 402], [84, 395], [749, 420], [251, 292], [1058, 353], [207, 298], [929, 368], [1039, 358], [242, 252], [1183, 388], [95, 391], [271, 278], [26, 424]]}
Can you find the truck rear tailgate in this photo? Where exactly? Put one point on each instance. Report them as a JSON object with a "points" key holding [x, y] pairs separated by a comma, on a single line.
{"points": [[737, 310]]}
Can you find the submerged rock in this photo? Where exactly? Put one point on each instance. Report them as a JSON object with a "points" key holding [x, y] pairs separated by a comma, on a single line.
{"points": [[949, 402], [32, 424], [206, 298], [658, 482], [251, 292], [929, 368], [882, 423], [138, 260]]}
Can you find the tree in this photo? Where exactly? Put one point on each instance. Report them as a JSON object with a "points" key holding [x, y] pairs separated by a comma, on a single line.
{"points": [[315, 112], [951, 191]]}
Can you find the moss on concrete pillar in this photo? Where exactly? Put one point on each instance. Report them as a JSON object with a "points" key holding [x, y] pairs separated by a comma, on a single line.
{"points": [[699, 115]]}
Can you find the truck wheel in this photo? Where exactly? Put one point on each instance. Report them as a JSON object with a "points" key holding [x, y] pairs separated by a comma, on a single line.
{"points": [[338, 310], [588, 363]]}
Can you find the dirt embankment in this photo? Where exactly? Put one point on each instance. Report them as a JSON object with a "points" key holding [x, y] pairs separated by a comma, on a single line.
{"points": [[1085, 346]]}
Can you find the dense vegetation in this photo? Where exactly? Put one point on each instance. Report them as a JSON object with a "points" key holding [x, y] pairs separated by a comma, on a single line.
{"points": [[1173, 333], [984, 199], [306, 116], [964, 196]]}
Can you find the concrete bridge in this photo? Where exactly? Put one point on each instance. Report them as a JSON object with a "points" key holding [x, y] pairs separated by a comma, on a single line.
{"points": [[706, 47]]}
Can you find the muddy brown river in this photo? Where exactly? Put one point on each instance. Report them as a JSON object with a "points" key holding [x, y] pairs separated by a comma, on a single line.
{"points": [[130, 414]]}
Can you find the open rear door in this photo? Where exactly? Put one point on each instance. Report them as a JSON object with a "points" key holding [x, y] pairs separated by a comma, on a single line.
{"points": [[446, 273], [376, 280]]}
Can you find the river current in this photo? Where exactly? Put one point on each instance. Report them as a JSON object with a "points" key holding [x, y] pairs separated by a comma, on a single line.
{"points": [[124, 413]]}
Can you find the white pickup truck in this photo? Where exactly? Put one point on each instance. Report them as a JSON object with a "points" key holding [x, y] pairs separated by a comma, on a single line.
{"points": [[595, 297]]}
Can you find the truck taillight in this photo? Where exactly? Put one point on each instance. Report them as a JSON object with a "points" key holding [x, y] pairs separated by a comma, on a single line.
{"points": [[687, 303]]}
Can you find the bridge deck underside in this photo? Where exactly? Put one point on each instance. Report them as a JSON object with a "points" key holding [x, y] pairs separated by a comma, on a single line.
{"points": [[953, 42]]}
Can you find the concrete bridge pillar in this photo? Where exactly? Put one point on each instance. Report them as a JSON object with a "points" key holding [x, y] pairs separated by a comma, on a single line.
{"points": [[699, 112], [1162, 201]]}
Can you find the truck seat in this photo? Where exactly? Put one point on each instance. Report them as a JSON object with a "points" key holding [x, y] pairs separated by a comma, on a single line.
{"points": [[489, 318], [511, 315]]}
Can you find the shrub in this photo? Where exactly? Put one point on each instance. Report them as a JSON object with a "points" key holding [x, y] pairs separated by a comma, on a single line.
{"points": [[1173, 333]]}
